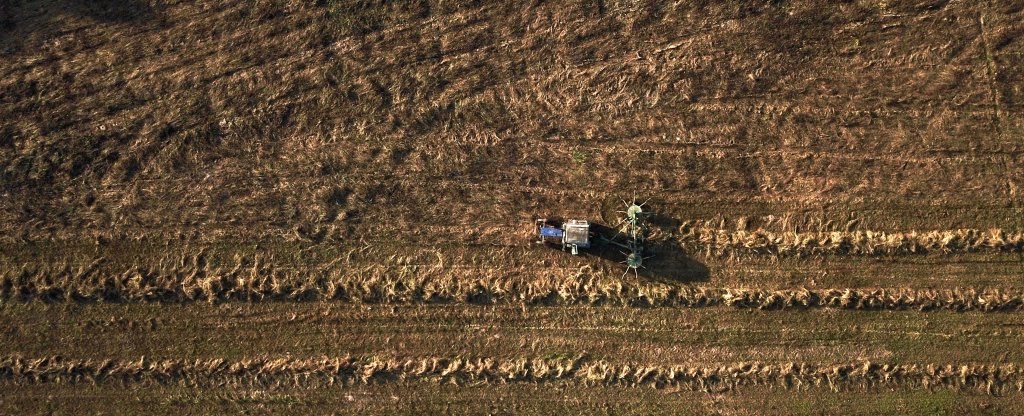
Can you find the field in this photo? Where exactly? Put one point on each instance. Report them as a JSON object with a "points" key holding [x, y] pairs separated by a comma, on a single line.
{"points": [[325, 206]]}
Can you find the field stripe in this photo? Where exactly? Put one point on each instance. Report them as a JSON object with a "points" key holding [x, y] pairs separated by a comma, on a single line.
{"points": [[191, 283], [873, 243], [329, 371]]}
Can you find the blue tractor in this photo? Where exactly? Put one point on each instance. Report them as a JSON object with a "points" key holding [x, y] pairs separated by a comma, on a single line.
{"points": [[572, 234]]}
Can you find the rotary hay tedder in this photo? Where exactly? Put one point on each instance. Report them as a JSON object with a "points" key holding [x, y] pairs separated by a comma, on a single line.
{"points": [[577, 234]]}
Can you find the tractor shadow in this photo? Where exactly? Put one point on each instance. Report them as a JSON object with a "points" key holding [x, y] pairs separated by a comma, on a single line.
{"points": [[668, 261]]}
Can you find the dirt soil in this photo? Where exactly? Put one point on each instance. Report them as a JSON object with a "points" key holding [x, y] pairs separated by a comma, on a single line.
{"points": [[328, 205]]}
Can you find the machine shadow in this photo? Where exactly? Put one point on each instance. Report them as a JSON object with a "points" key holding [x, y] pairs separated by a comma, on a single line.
{"points": [[667, 260]]}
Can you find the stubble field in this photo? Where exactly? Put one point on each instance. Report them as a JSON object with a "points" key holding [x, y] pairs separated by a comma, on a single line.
{"points": [[311, 207]]}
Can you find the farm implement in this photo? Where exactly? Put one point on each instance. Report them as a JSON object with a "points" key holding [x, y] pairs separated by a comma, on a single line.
{"points": [[576, 234]]}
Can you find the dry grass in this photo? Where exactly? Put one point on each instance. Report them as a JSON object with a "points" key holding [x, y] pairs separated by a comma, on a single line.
{"points": [[723, 242], [326, 371], [396, 152], [191, 280], [229, 118]]}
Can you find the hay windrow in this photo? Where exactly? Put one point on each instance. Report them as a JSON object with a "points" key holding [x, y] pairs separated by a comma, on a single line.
{"points": [[720, 242], [269, 372], [195, 282]]}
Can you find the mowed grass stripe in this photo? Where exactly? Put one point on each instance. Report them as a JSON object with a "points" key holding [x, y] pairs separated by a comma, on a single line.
{"points": [[511, 398], [617, 335], [330, 371], [519, 270], [404, 286], [557, 278]]}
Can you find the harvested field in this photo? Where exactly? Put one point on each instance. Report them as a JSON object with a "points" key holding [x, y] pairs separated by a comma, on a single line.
{"points": [[328, 372], [231, 206], [510, 398]]}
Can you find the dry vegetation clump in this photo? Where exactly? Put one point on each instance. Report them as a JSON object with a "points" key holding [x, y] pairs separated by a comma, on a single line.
{"points": [[192, 280], [141, 118], [326, 371], [722, 242]]}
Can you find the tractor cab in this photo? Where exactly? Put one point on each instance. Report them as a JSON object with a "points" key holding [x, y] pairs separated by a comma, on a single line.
{"points": [[573, 234]]}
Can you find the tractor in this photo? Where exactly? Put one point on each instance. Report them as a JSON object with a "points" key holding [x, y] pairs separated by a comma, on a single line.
{"points": [[573, 234], [577, 234]]}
